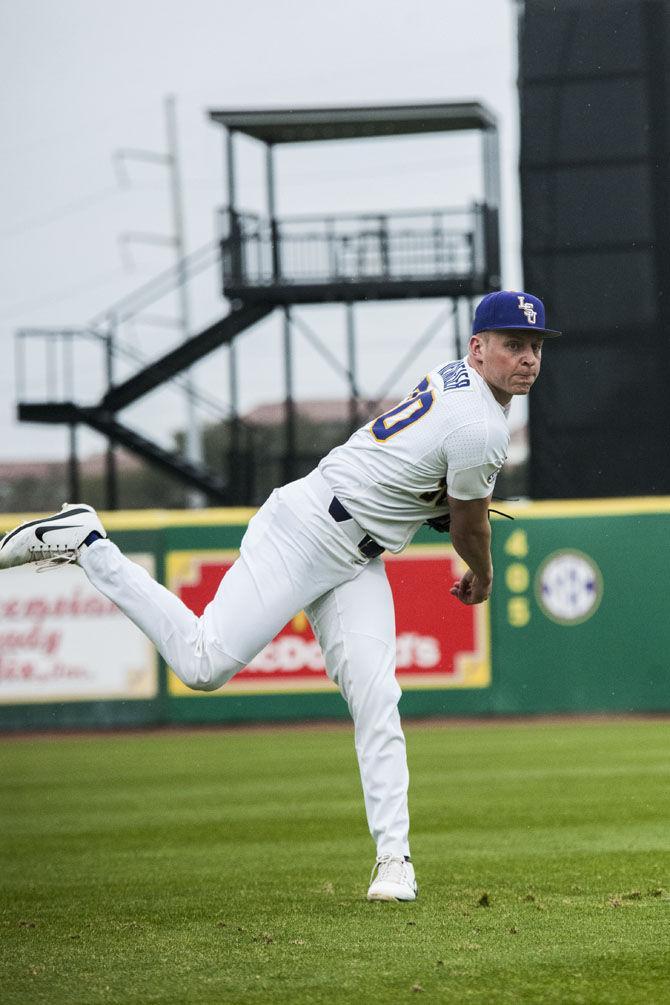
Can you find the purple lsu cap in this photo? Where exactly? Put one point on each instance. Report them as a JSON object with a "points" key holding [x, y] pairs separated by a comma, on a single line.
{"points": [[509, 310]]}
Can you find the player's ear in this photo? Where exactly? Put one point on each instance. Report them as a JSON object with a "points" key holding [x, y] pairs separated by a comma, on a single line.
{"points": [[476, 346]]}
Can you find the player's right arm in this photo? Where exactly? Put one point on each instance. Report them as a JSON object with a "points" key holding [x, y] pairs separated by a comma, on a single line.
{"points": [[470, 533]]}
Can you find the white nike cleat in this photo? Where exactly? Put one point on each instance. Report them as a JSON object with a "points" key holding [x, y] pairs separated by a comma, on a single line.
{"points": [[53, 541], [394, 880]]}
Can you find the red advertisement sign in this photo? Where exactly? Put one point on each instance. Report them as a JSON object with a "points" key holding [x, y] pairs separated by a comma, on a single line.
{"points": [[440, 642]]}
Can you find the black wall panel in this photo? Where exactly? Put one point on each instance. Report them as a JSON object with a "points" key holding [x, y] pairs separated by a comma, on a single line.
{"points": [[595, 184]]}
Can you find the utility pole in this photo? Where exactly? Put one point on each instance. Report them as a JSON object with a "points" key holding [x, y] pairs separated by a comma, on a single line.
{"points": [[194, 450], [170, 159]]}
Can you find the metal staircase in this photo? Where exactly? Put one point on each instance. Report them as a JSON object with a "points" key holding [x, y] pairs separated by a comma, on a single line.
{"points": [[220, 333], [58, 404], [103, 421]]}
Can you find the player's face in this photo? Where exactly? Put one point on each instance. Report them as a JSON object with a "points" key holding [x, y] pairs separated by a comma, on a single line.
{"points": [[509, 362]]}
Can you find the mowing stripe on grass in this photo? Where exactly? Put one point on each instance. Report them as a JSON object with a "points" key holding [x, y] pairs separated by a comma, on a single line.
{"points": [[226, 867]]}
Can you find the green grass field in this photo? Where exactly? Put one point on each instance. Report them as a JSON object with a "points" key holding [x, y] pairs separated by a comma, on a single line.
{"points": [[232, 867]]}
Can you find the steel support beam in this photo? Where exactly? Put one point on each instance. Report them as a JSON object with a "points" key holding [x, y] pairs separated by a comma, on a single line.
{"points": [[351, 367], [272, 212], [73, 482], [289, 403]]}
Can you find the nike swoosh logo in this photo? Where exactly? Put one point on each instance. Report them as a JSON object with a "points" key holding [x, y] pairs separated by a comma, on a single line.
{"points": [[33, 523], [41, 531]]}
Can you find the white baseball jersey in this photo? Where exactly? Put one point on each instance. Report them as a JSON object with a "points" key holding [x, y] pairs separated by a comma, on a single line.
{"points": [[449, 436]]}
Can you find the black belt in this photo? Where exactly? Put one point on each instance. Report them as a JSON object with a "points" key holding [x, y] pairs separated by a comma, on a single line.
{"points": [[367, 545]]}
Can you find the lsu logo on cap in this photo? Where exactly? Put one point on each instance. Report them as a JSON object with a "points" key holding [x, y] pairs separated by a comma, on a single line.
{"points": [[528, 310], [499, 312]]}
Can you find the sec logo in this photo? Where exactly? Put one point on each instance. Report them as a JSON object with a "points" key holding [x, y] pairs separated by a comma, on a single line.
{"points": [[569, 587]]}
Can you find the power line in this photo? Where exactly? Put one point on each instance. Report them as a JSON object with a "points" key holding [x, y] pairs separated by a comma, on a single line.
{"points": [[17, 310], [425, 166], [82, 132], [78, 206]]}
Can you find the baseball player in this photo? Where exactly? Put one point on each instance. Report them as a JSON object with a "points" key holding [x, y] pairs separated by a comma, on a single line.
{"points": [[315, 545]]}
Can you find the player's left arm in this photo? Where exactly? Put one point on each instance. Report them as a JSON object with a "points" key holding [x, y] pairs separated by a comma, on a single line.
{"points": [[470, 533]]}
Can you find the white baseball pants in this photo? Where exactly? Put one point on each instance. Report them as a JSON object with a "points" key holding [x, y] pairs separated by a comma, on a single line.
{"points": [[293, 557]]}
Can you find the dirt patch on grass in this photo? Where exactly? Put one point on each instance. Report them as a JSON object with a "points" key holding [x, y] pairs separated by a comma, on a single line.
{"points": [[329, 725]]}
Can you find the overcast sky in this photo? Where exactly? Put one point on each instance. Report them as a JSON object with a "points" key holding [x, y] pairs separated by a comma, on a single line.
{"points": [[85, 78]]}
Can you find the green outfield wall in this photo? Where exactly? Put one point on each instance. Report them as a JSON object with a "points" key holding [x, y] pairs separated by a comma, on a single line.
{"points": [[577, 623]]}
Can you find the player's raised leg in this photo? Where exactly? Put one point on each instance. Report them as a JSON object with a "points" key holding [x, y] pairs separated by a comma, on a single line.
{"points": [[283, 566], [355, 626], [179, 635]]}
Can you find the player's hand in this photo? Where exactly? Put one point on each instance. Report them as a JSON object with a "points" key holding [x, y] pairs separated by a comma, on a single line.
{"points": [[470, 589]]}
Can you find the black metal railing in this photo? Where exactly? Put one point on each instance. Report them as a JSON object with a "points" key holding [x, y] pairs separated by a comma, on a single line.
{"points": [[401, 246]]}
